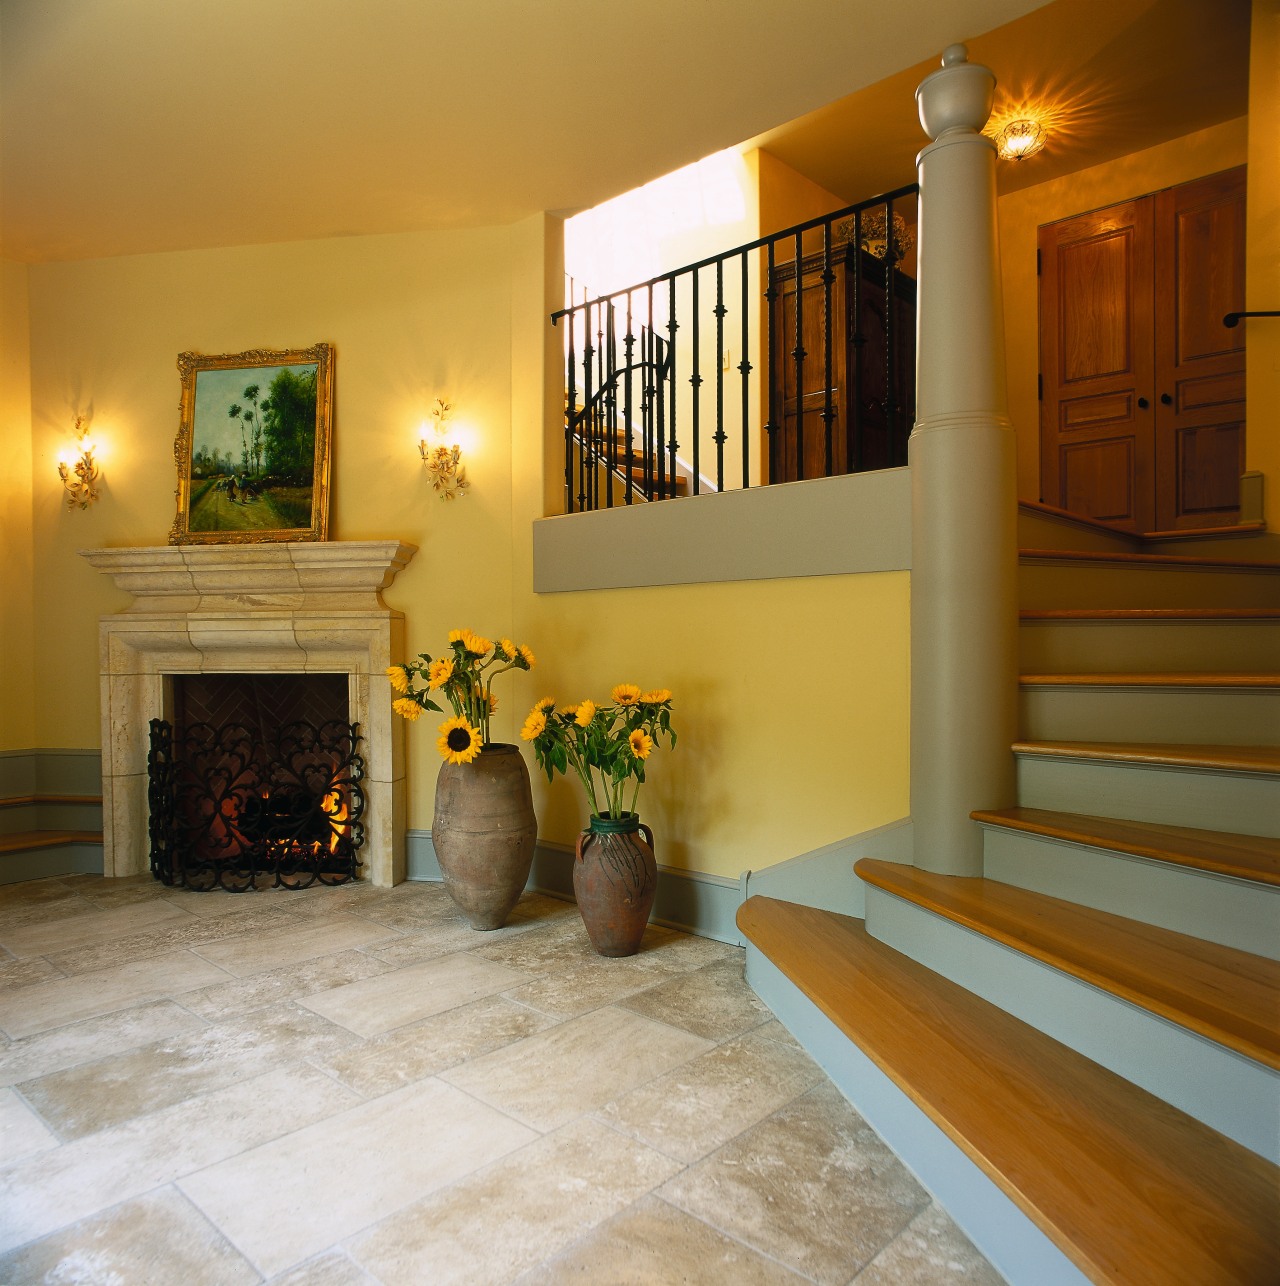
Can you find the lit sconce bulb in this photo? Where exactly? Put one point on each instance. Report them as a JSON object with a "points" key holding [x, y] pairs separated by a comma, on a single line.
{"points": [[1020, 139], [78, 469], [442, 458]]}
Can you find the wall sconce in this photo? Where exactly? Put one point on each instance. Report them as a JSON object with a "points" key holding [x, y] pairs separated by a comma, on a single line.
{"points": [[1020, 139], [78, 469], [441, 455]]}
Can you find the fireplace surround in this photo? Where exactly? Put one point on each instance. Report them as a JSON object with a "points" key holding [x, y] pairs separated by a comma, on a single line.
{"points": [[288, 608]]}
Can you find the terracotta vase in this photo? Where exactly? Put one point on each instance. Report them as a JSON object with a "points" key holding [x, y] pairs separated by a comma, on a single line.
{"points": [[483, 832], [615, 877]]}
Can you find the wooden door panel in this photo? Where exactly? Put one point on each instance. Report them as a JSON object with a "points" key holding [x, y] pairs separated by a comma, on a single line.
{"points": [[1200, 415], [1097, 363]]}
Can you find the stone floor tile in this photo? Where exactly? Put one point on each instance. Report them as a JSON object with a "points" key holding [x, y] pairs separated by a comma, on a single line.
{"points": [[90, 927], [158, 1238], [52, 1189], [22, 1132], [332, 1268], [67, 1000], [240, 996], [322, 936], [549, 1194], [713, 1002], [812, 1186], [22, 973], [339, 1176], [98, 1095], [692, 1110], [93, 1038], [930, 1251], [574, 1068], [371, 1007], [421, 1049], [652, 1244], [578, 988]]}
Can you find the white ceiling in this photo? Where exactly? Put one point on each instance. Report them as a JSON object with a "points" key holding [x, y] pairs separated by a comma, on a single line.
{"points": [[129, 126]]}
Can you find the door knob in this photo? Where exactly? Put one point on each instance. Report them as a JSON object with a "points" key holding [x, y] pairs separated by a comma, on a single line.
{"points": [[1165, 399], [1143, 403]]}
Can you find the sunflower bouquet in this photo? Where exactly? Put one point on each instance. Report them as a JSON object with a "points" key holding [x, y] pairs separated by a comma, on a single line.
{"points": [[606, 746], [464, 677]]}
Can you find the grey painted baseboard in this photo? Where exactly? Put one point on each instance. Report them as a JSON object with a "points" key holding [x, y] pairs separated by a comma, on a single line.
{"points": [[50, 772], [693, 903], [42, 863]]}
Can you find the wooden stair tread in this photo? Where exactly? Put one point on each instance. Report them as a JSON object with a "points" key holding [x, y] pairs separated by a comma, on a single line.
{"points": [[20, 801], [1171, 680], [22, 841], [1246, 857], [1147, 560], [1151, 614], [1259, 759], [1225, 995], [1130, 1189]]}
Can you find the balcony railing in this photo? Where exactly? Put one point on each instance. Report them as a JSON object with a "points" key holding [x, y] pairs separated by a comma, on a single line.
{"points": [[818, 382]]}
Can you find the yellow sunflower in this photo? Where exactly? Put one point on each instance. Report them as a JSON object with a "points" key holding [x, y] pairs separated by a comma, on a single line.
{"points": [[477, 643], [626, 694], [534, 726], [407, 708], [439, 672], [458, 636], [398, 678], [546, 705], [509, 649], [586, 712], [656, 697], [569, 711], [641, 743], [527, 654], [493, 702], [459, 742]]}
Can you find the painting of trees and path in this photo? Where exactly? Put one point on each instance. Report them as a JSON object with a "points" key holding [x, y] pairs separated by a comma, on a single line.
{"points": [[253, 445]]}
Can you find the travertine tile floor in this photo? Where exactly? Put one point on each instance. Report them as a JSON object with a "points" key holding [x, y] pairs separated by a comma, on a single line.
{"points": [[348, 1086]]}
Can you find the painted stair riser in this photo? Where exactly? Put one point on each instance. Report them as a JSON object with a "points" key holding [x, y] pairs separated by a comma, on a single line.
{"points": [[1231, 912], [1040, 531], [1045, 585], [41, 864], [1244, 803], [1101, 647], [1198, 716], [990, 1219], [21, 817], [1229, 1093]]}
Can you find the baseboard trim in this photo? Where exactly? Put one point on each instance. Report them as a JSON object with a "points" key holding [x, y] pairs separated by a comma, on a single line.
{"points": [[50, 772], [824, 878], [1017, 1248], [705, 905], [42, 864]]}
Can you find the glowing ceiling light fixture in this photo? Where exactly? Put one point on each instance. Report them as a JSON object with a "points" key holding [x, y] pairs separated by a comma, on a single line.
{"points": [[1020, 139]]}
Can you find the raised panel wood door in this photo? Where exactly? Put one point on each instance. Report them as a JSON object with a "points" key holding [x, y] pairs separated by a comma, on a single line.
{"points": [[1097, 443], [1199, 362]]}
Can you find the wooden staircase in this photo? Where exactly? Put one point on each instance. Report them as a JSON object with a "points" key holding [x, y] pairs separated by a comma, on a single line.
{"points": [[1077, 1051], [46, 834]]}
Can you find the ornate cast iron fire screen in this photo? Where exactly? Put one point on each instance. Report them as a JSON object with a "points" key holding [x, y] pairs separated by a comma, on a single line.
{"points": [[233, 811]]}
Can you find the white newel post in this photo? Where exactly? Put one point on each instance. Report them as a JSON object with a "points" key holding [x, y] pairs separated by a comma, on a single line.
{"points": [[964, 499]]}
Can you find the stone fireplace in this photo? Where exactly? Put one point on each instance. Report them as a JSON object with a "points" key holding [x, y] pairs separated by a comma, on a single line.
{"points": [[288, 608]]}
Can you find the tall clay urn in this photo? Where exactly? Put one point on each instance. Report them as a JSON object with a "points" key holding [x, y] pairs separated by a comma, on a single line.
{"points": [[484, 831], [615, 878]]}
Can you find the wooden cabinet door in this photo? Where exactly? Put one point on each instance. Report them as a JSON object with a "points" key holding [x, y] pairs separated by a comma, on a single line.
{"points": [[1199, 379], [1097, 431]]}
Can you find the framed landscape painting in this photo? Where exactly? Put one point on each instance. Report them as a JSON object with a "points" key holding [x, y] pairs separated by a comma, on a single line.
{"points": [[253, 446]]}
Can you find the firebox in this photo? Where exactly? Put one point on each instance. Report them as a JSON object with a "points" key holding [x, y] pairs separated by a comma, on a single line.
{"points": [[255, 782]]}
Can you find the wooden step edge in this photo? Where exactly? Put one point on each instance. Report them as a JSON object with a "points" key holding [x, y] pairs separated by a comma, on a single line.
{"points": [[1147, 560], [24, 841], [1125, 1185], [1255, 858], [1149, 680], [1131, 614], [1038, 508], [1249, 759], [24, 801], [1222, 994], [1210, 533]]}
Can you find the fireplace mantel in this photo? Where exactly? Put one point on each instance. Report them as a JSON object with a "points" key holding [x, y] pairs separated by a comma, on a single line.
{"points": [[257, 609]]}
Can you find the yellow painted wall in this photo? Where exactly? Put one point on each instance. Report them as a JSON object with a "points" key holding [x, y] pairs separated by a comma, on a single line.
{"points": [[17, 694], [413, 317], [1021, 213], [1262, 444]]}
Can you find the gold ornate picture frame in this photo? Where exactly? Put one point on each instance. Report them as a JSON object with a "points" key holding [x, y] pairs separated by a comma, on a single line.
{"points": [[253, 444]]}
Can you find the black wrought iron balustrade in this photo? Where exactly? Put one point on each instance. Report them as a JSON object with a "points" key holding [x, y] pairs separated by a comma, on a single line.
{"points": [[824, 377]]}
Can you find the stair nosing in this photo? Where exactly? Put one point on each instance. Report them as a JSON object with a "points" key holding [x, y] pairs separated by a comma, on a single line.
{"points": [[1209, 758], [1189, 561], [1150, 679]]}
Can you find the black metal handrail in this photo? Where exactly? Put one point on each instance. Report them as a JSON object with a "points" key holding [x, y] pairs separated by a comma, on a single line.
{"points": [[842, 272]]}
